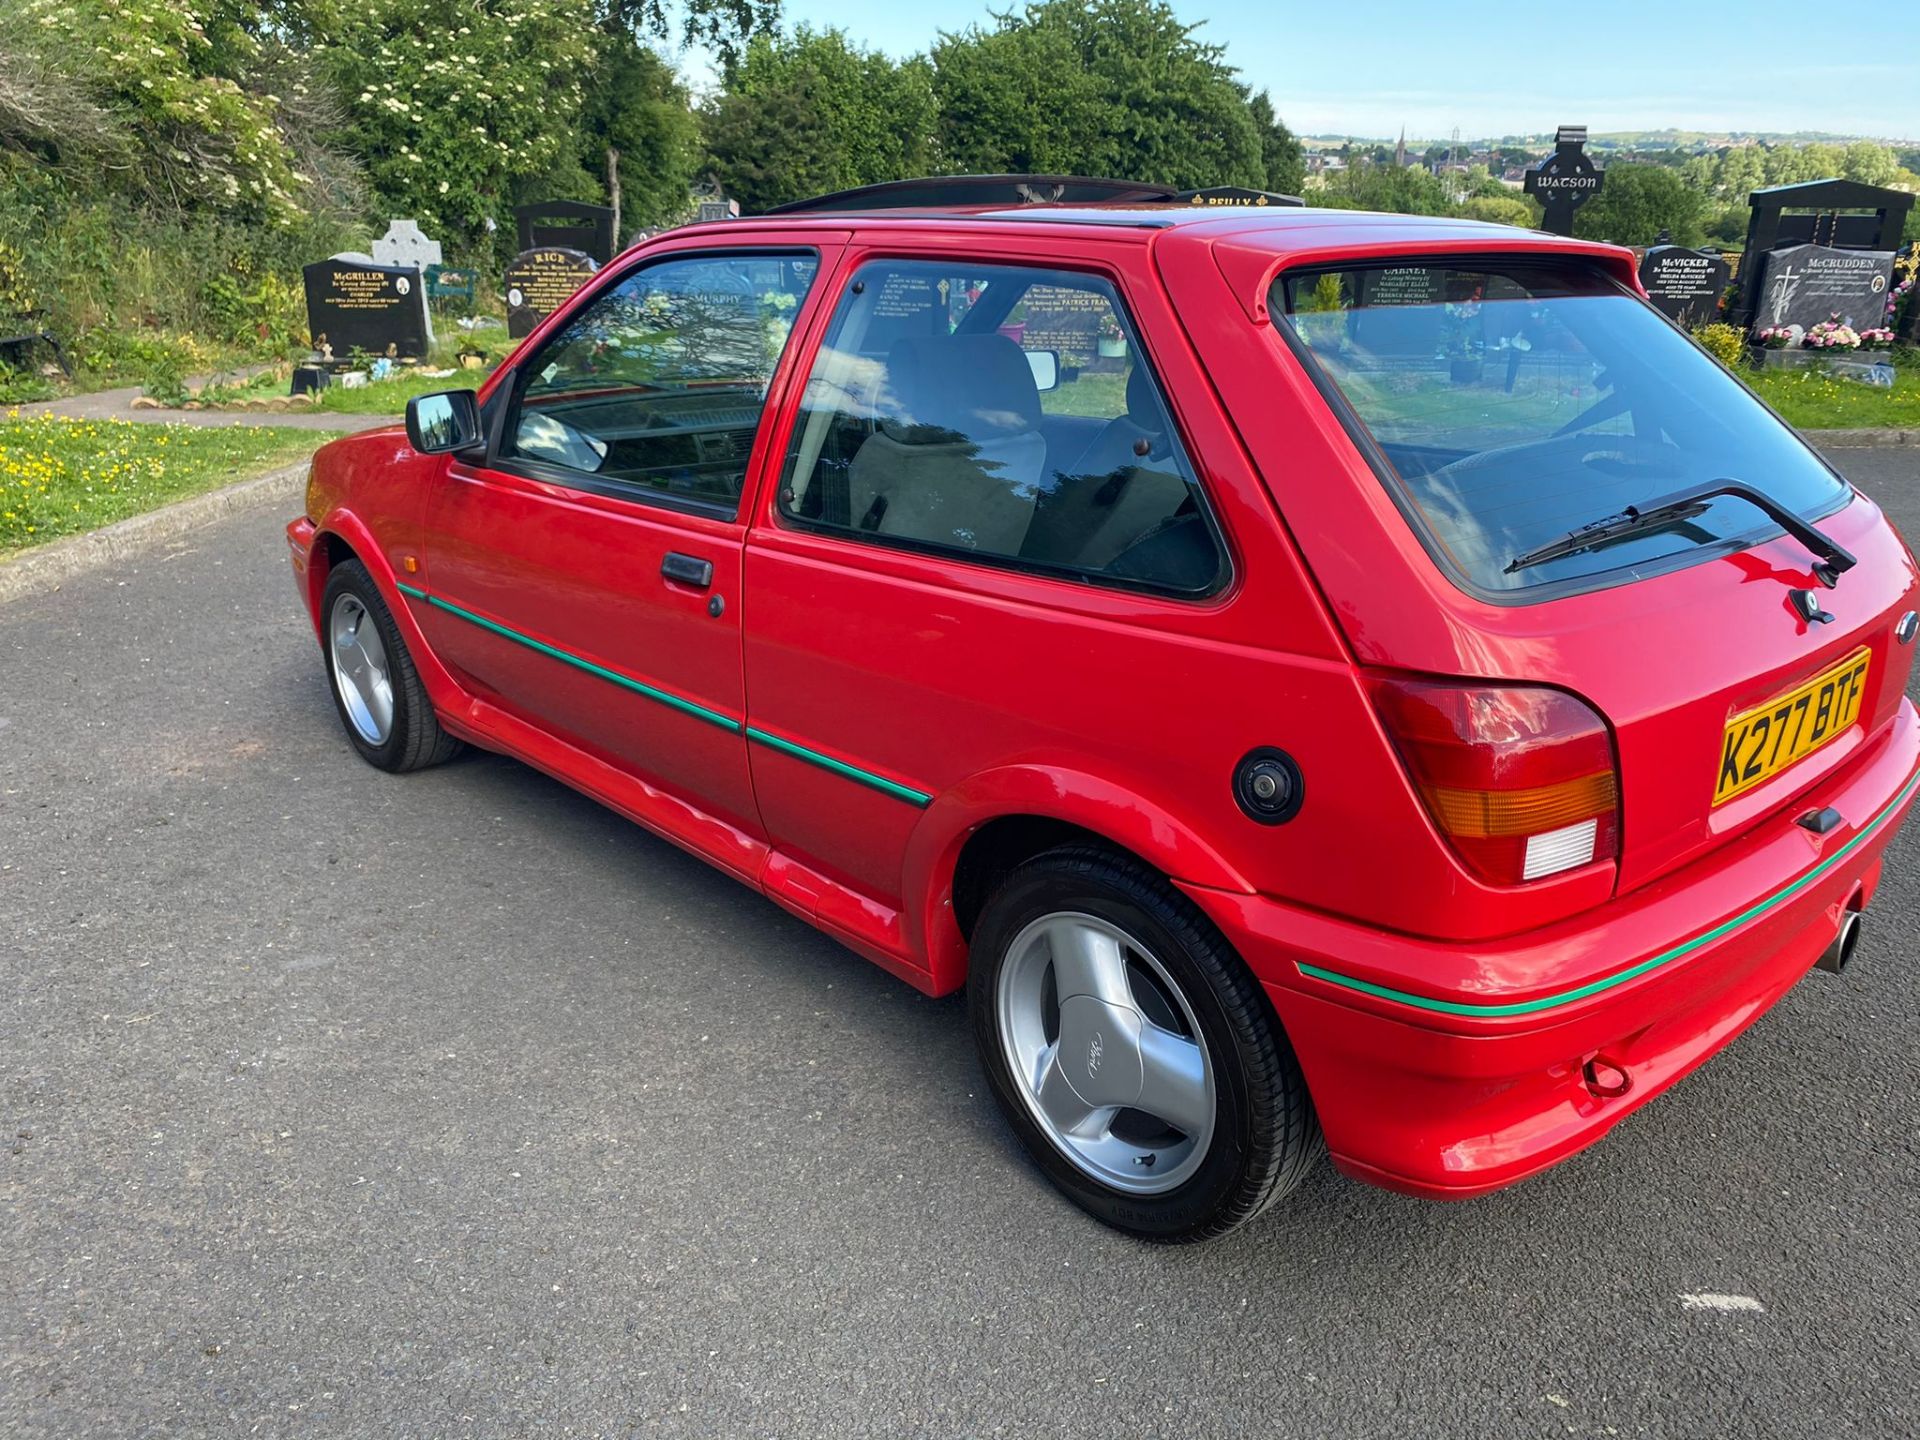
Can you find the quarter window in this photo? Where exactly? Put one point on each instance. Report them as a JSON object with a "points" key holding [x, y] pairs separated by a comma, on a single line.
{"points": [[1002, 413], [658, 385]]}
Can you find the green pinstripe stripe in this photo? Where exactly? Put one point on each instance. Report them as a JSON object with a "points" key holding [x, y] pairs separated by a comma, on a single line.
{"points": [[639, 687], [840, 767], [1567, 997], [700, 712]]}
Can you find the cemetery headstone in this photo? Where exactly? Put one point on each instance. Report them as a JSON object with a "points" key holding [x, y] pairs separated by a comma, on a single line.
{"points": [[539, 282], [1684, 285], [378, 309], [718, 207], [1065, 321], [567, 225], [1399, 311], [1565, 180], [403, 244], [1804, 284], [1836, 214]]}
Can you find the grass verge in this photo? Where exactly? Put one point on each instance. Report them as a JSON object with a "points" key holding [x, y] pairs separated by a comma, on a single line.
{"points": [[61, 476], [1813, 400], [375, 397]]}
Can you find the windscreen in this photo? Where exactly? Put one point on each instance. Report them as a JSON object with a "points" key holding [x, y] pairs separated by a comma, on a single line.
{"points": [[1518, 401]]}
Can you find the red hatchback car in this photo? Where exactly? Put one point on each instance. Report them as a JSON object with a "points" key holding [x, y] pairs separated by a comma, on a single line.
{"points": [[1307, 674]]}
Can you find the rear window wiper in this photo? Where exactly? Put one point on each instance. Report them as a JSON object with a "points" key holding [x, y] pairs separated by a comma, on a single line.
{"points": [[1834, 558]]}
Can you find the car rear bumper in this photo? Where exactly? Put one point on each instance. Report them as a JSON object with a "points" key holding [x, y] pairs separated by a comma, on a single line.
{"points": [[1561, 1033]]}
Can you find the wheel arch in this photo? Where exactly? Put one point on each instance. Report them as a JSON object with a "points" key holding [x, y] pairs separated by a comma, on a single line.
{"points": [[973, 834], [344, 536]]}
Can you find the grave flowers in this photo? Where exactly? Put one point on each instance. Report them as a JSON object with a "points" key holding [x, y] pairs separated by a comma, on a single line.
{"points": [[1832, 334], [1880, 337], [1774, 337]]}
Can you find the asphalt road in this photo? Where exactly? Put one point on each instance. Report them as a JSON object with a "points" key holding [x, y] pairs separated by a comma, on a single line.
{"points": [[455, 1105]]}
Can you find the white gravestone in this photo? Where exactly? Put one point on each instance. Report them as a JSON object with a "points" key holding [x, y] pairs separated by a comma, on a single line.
{"points": [[403, 244]]}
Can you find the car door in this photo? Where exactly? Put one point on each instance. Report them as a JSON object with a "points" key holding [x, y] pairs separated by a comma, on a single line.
{"points": [[957, 575], [586, 576]]}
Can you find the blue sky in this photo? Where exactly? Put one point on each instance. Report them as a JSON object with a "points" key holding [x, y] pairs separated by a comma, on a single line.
{"points": [[1497, 67]]}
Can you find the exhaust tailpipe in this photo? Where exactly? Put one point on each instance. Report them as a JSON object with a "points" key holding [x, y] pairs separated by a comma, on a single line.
{"points": [[1845, 941]]}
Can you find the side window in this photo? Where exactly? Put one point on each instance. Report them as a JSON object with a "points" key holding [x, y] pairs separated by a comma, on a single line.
{"points": [[1003, 413], [659, 383]]}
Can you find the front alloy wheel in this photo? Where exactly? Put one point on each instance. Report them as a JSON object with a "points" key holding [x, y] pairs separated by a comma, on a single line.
{"points": [[360, 670], [382, 702]]}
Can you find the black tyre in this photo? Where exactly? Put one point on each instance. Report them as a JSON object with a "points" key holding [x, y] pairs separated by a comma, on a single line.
{"points": [[1132, 1050], [378, 693]]}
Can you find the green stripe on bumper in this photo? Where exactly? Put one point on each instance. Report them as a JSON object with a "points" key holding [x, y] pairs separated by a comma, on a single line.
{"points": [[700, 712], [1567, 997]]}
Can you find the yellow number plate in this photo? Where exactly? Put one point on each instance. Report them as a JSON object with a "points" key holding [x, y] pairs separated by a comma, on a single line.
{"points": [[1761, 742]]}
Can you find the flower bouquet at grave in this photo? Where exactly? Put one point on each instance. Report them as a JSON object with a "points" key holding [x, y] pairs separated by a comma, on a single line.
{"points": [[1906, 270], [1879, 337], [1832, 334], [1774, 337]]}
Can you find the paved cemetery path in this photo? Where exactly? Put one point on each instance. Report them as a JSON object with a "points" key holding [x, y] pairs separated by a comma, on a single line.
{"points": [[454, 1105]]}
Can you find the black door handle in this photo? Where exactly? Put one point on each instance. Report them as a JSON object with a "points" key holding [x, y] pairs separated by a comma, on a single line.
{"points": [[687, 570]]}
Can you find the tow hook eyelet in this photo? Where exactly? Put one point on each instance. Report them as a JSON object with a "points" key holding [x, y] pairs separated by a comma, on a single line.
{"points": [[1605, 1079]]}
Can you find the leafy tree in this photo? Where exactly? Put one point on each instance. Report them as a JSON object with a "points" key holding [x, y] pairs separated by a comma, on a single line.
{"points": [[1869, 163], [772, 147], [1507, 209], [1286, 168], [1402, 190], [639, 130], [813, 112], [723, 26], [1742, 171], [156, 88], [451, 103], [1636, 203], [1114, 87]]}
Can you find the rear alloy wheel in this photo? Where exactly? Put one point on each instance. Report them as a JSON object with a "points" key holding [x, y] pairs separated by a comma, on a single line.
{"points": [[382, 703], [1133, 1052]]}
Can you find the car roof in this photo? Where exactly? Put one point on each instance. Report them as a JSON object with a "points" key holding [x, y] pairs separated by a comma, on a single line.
{"points": [[1279, 228]]}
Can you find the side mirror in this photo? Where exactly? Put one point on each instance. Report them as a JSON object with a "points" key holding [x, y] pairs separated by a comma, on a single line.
{"points": [[1045, 365], [441, 423]]}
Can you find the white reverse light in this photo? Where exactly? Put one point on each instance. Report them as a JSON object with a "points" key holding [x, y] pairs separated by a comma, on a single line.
{"points": [[1557, 850]]}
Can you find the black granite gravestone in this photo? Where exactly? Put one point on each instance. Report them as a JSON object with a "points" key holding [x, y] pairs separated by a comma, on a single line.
{"points": [[539, 282], [376, 309], [1398, 311], [567, 225], [1805, 284], [1840, 214], [1684, 285], [1066, 321], [1565, 180]]}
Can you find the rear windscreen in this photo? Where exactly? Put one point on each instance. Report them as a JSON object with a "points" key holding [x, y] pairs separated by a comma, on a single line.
{"points": [[1516, 401]]}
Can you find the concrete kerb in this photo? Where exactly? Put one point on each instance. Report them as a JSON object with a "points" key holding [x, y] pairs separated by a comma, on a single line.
{"points": [[48, 567]]}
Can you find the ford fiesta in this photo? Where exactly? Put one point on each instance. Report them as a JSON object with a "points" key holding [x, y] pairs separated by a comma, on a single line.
{"points": [[1320, 681]]}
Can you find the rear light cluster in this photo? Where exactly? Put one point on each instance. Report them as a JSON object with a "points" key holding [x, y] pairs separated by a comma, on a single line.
{"points": [[1521, 780]]}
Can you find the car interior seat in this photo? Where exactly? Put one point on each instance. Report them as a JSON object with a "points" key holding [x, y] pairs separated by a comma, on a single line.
{"points": [[1123, 485], [957, 455]]}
